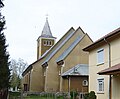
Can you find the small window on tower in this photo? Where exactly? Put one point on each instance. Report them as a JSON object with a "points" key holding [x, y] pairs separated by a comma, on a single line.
{"points": [[45, 43], [50, 43]]}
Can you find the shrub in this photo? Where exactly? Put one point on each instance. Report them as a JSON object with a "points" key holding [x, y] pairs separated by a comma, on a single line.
{"points": [[90, 95], [73, 93]]}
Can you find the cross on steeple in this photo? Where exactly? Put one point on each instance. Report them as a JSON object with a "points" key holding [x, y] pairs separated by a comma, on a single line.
{"points": [[47, 16]]}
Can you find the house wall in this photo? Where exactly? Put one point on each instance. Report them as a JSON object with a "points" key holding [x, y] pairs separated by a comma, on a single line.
{"points": [[94, 69], [115, 49], [116, 86]]}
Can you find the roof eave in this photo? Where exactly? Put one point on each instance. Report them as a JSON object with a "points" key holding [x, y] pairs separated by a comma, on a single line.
{"points": [[27, 70], [88, 48]]}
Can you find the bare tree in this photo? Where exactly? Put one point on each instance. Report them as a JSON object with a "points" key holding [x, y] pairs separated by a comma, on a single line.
{"points": [[17, 68]]}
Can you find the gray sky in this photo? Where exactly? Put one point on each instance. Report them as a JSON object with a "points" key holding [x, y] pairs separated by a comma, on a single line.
{"points": [[25, 20]]}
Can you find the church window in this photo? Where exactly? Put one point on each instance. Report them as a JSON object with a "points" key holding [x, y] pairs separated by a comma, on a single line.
{"points": [[47, 43], [85, 83], [50, 43]]}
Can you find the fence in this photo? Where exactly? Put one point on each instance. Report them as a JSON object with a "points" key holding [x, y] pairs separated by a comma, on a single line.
{"points": [[56, 95]]}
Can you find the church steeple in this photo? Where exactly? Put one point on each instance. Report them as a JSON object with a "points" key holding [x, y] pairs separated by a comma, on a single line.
{"points": [[46, 32], [45, 40]]}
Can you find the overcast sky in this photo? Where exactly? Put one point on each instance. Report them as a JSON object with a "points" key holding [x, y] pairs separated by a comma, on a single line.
{"points": [[25, 20]]}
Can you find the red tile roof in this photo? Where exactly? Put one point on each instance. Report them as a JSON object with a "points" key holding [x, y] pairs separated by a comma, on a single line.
{"points": [[112, 70]]}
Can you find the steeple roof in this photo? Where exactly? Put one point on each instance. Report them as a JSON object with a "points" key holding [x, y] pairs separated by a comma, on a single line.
{"points": [[46, 32]]}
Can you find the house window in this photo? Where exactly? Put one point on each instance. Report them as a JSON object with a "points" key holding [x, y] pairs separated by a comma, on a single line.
{"points": [[85, 83], [100, 56], [100, 85]]}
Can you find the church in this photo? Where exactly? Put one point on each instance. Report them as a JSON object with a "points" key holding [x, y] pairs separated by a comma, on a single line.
{"points": [[61, 66]]}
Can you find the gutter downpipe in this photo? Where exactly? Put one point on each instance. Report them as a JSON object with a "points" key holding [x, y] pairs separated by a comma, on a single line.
{"points": [[110, 83]]}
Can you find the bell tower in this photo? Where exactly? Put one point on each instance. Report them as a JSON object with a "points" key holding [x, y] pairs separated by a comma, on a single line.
{"points": [[45, 41]]}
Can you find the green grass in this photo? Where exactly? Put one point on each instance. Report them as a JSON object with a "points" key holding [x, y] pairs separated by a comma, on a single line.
{"points": [[14, 95]]}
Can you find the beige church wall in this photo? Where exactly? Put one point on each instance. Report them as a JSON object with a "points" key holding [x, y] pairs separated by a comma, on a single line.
{"points": [[79, 32], [69, 42], [52, 80], [71, 60], [64, 37], [36, 83], [84, 56], [53, 76], [45, 48], [41, 48], [59, 42], [26, 80], [65, 85], [76, 84], [52, 83], [78, 56]]}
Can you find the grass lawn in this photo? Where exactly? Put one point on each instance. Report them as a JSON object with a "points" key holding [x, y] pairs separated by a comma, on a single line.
{"points": [[14, 95]]}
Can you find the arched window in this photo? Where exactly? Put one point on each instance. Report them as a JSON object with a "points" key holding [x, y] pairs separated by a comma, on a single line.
{"points": [[50, 43], [47, 43]]}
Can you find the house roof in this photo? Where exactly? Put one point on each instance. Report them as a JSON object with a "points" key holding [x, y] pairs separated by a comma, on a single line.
{"points": [[78, 70], [70, 48], [111, 70], [101, 40]]}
